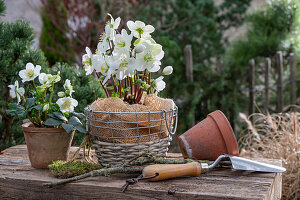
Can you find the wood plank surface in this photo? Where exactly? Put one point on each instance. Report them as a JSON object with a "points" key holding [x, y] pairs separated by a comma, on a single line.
{"points": [[18, 180]]}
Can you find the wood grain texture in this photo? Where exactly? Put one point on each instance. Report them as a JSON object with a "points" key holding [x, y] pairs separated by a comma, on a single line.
{"points": [[18, 180]]}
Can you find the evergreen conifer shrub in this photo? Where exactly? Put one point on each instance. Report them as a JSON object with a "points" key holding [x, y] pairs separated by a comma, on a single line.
{"points": [[15, 51]]}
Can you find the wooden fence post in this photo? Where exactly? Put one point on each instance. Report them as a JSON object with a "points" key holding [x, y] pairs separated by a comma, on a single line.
{"points": [[188, 57], [293, 65], [267, 72], [279, 66], [251, 85]]}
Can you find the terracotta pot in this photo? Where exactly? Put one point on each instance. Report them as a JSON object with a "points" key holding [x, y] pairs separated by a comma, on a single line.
{"points": [[45, 145], [209, 139]]}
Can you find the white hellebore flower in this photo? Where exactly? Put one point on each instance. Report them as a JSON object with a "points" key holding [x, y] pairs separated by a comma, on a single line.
{"points": [[167, 70], [68, 87], [67, 104], [159, 84], [30, 73], [108, 35], [150, 58], [139, 29], [87, 61], [122, 42], [44, 78], [114, 24], [123, 66], [15, 91]]}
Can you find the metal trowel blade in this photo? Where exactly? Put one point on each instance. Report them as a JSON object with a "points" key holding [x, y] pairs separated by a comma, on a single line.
{"points": [[245, 164]]}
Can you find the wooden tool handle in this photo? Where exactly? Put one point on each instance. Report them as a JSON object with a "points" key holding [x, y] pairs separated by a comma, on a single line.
{"points": [[167, 171]]}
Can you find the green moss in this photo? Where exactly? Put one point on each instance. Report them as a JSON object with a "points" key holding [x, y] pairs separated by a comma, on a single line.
{"points": [[63, 169]]}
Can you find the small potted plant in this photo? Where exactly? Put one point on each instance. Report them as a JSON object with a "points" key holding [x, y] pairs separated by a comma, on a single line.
{"points": [[52, 123], [132, 119]]}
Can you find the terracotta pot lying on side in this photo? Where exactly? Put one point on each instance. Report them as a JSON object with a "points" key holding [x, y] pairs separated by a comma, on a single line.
{"points": [[45, 145], [209, 139]]}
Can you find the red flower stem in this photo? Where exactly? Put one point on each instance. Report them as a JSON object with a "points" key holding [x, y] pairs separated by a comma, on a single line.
{"points": [[115, 88], [120, 88], [126, 85], [101, 83], [149, 82], [130, 81], [136, 86], [149, 78]]}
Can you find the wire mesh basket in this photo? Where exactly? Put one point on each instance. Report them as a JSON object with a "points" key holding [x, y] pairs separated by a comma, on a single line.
{"points": [[121, 136]]}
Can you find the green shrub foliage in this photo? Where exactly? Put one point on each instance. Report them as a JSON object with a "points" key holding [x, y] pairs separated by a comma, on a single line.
{"points": [[2, 7], [15, 51], [269, 30]]}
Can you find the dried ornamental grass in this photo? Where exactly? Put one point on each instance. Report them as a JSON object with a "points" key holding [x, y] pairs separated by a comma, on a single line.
{"points": [[276, 136]]}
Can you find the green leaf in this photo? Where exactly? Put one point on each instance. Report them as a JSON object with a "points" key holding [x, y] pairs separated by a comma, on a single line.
{"points": [[16, 110], [68, 127], [33, 92], [21, 115], [15, 106], [37, 107], [60, 116], [138, 41], [53, 122], [74, 121], [110, 87], [101, 78], [29, 102], [79, 115], [140, 81], [80, 129]]}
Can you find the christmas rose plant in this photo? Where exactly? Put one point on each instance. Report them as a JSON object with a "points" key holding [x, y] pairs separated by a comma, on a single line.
{"points": [[124, 61], [40, 108]]}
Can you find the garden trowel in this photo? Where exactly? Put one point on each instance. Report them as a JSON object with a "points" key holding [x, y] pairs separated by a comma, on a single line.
{"points": [[167, 171]]}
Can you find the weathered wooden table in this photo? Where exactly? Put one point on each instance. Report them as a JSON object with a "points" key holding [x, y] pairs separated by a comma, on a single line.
{"points": [[18, 180]]}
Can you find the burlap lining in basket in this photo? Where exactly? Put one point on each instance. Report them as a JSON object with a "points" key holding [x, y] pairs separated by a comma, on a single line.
{"points": [[130, 128]]}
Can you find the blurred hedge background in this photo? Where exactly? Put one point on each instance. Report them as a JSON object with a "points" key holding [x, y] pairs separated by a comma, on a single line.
{"points": [[220, 61]]}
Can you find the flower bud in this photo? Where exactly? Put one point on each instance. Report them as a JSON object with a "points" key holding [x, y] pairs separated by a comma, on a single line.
{"points": [[46, 107], [61, 94], [167, 70], [146, 86], [139, 48]]}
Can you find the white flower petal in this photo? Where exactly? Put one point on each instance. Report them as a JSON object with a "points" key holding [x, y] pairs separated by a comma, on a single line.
{"points": [[131, 25], [12, 92], [88, 51], [42, 77], [74, 102], [37, 70], [60, 101], [117, 23], [149, 28], [29, 66], [139, 24], [22, 74], [21, 91], [155, 68], [160, 55]]}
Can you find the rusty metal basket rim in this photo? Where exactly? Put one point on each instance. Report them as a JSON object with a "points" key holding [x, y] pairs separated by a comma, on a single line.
{"points": [[173, 110], [151, 112]]}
